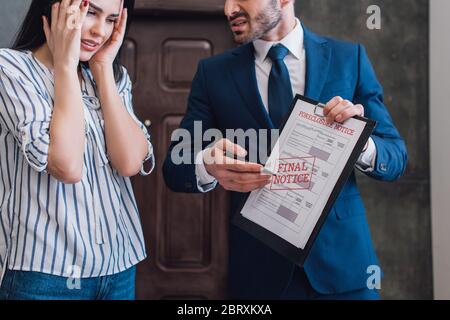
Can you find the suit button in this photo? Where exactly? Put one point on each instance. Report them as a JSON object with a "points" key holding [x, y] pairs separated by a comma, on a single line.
{"points": [[383, 167]]}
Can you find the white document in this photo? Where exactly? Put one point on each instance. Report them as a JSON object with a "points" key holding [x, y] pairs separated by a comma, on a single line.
{"points": [[307, 162]]}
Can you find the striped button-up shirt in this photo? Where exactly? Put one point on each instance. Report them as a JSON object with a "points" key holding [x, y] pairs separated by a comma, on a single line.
{"points": [[88, 229]]}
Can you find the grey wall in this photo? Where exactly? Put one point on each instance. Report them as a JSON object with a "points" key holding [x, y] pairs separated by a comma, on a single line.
{"points": [[439, 133], [398, 213], [10, 17]]}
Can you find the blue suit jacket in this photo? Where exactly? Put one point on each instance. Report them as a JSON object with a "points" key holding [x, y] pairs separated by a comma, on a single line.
{"points": [[225, 95]]}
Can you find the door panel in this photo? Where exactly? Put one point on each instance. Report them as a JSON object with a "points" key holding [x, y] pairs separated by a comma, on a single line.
{"points": [[186, 235]]}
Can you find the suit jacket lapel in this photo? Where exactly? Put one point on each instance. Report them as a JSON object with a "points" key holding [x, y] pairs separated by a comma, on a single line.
{"points": [[318, 56], [244, 74]]}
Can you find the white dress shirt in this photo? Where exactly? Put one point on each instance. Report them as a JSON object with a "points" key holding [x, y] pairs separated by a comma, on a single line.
{"points": [[296, 64]]}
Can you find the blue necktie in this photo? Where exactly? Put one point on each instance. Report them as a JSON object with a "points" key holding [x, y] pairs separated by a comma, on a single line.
{"points": [[280, 89]]}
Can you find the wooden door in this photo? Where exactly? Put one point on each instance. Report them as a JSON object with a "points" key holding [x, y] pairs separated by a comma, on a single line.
{"points": [[186, 235]]}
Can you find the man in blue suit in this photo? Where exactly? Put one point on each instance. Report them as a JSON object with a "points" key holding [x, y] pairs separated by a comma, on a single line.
{"points": [[251, 87]]}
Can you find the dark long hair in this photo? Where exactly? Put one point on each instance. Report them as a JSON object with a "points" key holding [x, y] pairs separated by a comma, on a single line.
{"points": [[31, 34]]}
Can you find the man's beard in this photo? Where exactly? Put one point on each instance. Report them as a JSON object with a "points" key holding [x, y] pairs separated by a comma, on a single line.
{"points": [[265, 22]]}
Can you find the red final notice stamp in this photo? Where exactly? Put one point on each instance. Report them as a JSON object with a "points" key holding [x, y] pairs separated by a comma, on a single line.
{"points": [[293, 174]]}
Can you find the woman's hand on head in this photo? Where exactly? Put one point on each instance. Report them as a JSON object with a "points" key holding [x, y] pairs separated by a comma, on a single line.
{"points": [[64, 33], [106, 55]]}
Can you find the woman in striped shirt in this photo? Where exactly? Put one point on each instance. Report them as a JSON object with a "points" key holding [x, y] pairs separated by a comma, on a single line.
{"points": [[69, 141]]}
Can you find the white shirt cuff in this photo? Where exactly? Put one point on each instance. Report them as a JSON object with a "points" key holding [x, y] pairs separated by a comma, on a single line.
{"points": [[151, 157], [205, 182], [366, 161]]}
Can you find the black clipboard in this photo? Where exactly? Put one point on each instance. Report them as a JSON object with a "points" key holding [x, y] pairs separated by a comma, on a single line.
{"points": [[283, 247]]}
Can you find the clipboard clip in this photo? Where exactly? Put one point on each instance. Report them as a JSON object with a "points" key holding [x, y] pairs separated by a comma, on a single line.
{"points": [[319, 107]]}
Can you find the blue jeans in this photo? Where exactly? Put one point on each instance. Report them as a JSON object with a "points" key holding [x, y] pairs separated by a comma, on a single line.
{"points": [[23, 285]]}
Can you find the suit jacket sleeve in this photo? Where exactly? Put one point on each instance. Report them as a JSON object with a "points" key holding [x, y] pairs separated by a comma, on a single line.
{"points": [[391, 159], [181, 177]]}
